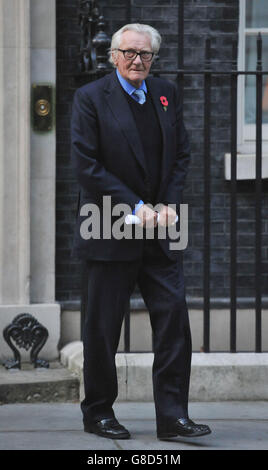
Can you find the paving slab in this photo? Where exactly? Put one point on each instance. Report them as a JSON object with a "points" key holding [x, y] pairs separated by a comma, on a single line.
{"points": [[58, 426]]}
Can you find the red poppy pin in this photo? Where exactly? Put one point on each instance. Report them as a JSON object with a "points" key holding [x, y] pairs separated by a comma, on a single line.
{"points": [[164, 102]]}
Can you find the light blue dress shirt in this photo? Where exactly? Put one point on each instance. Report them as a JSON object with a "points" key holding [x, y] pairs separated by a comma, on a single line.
{"points": [[130, 90]]}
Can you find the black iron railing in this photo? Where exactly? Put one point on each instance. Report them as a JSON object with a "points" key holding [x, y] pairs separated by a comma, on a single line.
{"points": [[230, 72], [233, 75]]}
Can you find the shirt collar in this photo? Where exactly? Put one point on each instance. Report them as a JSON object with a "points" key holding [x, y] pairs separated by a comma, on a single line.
{"points": [[128, 87]]}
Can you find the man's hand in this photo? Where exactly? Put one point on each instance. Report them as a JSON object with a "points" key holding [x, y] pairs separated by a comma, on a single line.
{"points": [[148, 216], [167, 216]]}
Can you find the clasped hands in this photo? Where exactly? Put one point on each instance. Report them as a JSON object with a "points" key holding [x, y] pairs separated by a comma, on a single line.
{"points": [[149, 217]]}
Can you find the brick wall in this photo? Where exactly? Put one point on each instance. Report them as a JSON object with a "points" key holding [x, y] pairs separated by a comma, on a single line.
{"points": [[201, 17]]}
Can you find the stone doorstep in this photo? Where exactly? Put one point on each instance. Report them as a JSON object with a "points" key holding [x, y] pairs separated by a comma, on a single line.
{"points": [[29, 385], [214, 376]]}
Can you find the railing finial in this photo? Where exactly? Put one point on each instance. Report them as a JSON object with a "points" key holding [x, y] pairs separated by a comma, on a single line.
{"points": [[94, 41]]}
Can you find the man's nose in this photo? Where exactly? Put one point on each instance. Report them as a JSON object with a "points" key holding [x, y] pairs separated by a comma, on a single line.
{"points": [[137, 60]]}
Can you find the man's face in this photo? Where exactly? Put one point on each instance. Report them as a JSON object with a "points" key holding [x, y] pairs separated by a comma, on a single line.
{"points": [[134, 71]]}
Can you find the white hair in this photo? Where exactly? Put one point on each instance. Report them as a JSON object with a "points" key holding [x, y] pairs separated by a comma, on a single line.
{"points": [[139, 28]]}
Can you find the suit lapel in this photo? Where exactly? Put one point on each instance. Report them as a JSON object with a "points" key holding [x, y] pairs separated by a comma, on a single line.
{"points": [[163, 119], [120, 109]]}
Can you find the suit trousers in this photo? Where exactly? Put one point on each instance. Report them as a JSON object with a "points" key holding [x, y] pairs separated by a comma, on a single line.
{"points": [[109, 287]]}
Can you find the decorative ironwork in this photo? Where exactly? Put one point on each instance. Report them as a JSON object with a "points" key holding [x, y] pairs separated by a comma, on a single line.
{"points": [[26, 332], [101, 42], [94, 40]]}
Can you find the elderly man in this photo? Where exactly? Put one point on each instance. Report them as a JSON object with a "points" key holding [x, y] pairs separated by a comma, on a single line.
{"points": [[129, 143]]}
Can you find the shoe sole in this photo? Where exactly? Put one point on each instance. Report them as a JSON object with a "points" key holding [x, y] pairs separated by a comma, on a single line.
{"points": [[194, 434], [120, 436]]}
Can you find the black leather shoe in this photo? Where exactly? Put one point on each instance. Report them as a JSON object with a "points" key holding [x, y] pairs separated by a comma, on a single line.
{"points": [[182, 427], [107, 427]]}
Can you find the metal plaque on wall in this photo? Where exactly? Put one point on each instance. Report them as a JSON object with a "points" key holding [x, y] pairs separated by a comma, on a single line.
{"points": [[42, 109]]}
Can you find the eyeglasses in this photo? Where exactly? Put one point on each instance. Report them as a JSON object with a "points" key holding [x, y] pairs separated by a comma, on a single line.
{"points": [[131, 54]]}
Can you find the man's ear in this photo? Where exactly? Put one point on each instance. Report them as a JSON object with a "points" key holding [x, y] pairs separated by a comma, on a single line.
{"points": [[114, 55]]}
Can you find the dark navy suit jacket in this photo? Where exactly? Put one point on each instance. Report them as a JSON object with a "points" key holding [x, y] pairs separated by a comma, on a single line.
{"points": [[108, 159]]}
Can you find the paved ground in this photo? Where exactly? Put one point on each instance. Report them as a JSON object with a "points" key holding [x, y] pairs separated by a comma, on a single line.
{"points": [[49, 426]]}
